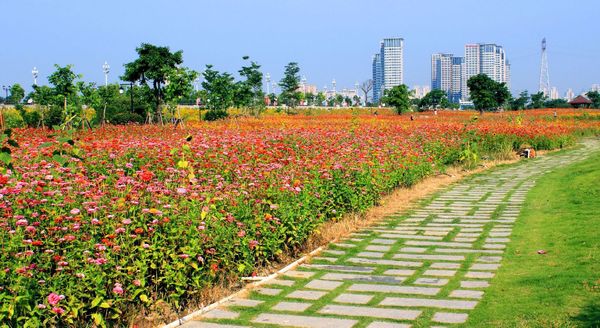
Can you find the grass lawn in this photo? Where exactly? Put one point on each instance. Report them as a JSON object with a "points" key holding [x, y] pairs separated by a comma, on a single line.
{"points": [[562, 287]]}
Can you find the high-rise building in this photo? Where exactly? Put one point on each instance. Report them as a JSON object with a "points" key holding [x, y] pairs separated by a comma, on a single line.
{"points": [[446, 75], [554, 93], [488, 59], [377, 78], [569, 95], [388, 66]]}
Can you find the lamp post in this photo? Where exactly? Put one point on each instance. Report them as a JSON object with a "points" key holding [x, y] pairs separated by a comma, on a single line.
{"points": [[35, 73], [106, 70], [5, 88], [121, 90], [268, 78]]}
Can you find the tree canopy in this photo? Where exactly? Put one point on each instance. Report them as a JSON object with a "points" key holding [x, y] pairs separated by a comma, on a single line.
{"points": [[434, 99], [486, 93], [289, 84], [399, 97]]}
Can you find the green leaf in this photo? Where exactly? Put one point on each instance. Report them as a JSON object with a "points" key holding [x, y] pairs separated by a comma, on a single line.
{"points": [[105, 305], [46, 144], [13, 143], [98, 320], [96, 301], [60, 159], [5, 157], [8, 132]]}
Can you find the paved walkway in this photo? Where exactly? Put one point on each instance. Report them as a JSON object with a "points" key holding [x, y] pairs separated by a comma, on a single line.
{"points": [[426, 269]]}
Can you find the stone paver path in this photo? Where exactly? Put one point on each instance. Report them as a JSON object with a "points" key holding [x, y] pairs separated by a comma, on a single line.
{"points": [[425, 269]]}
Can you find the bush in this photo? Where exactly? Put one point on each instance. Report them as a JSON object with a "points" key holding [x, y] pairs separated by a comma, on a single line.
{"points": [[214, 115], [54, 116], [12, 119], [125, 118], [31, 118]]}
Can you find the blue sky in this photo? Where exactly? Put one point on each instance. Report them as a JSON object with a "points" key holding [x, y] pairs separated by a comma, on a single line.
{"points": [[328, 38]]}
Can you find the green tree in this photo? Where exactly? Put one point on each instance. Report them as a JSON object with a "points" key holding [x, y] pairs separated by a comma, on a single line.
{"points": [[520, 102], [289, 85], [320, 98], [63, 80], [399, 97], [249, 91], [501, 94], [153, 64], [17, 93], [219, 89], [594, 96], [434, 99], [483, 92], [180, 85], [557, 103], [537, 100], [108, 95]]}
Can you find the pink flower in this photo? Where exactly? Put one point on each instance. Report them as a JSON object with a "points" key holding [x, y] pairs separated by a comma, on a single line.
{"points": [[75, 211], [181, 191], [252, 244], [54, 298], [95, 221], [58, 310], [21, 222], [41, 306], [119, 230], [183, 256], [118, 289], [137, 282], [30, 229], [126, 221], [80, 275]]}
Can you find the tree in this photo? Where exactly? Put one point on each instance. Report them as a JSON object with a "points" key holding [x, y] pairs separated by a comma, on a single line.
{"points": [[501, 94], [219, 89], [483, 92], [107, 94], [594, 96], [63, 80], [17, 93], [520, 102], [153, 64], [179, 85], [289, 84], [366, 87], [537, 100], [249, 91], [399, 97], [557, 103], [434, 99]]}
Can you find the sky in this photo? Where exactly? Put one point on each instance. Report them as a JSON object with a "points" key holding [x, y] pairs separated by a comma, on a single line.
{"points": [[330, 39]]}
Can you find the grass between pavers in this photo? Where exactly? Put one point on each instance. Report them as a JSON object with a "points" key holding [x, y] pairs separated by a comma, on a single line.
{"points": [[561, 288]]}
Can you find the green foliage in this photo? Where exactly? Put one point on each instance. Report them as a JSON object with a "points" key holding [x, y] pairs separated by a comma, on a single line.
{"points": [[13, 119], [520, 102], [7, 144], [54, 116], [219, 89], [434, 99], [215, 114], [398, 97], [179, 86], [557, 103], [537, 100], [154, 64], [126, 118], [594, 96], [289, 85], [43, 95], [486, 93], [249, 92], [17, 93]]}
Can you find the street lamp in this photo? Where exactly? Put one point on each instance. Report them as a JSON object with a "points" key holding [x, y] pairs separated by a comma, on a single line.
{"points": [[268, 78], [121, 91], [35, 73], [106, 70], [5, 88]]}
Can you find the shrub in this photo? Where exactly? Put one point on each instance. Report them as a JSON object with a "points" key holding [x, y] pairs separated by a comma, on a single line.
{"points": [[54, 116], [214, 115], [12, 119], [125, 118]]}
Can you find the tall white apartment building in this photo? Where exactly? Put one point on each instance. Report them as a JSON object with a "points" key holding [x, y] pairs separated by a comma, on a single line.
{"points": [[388, 66], [446, 75], [489, 59]]}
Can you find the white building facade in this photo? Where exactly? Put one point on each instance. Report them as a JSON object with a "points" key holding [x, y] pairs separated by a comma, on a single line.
{"points": [[388, 66]]}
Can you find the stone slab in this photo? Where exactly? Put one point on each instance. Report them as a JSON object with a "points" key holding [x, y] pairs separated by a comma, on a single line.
{"points": [[268, 291], [430, 257], [299, 274], [479, 275], [474, 284], [444, 265], [428, 303], [359, 311], [362, 277], [370, 254], [394, 289], [342, 268], [378, 248], [399, 272], [382, 324], [431, 281], [303, 321], [306, 294], [353, 298], [220, 314], [291, 306], [243, 302], [447, 317], [386, 262], [440, 273], [485, 266], [323, 284]]}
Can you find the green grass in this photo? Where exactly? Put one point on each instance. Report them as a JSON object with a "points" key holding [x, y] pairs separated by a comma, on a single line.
{"points": [[562, 287]]}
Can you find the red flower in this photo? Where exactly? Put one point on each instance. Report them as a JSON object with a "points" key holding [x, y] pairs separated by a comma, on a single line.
{"points": [[146, 176]]}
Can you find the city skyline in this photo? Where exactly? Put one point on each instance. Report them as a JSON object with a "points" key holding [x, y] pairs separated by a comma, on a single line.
{"points": [[43, 33]]}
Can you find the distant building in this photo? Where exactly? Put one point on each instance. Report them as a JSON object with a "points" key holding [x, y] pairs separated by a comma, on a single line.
{"points": [[388, 66], [419, 92], [446, 75], [569, 95], [554, 93], [595, 87], [489, 59]]}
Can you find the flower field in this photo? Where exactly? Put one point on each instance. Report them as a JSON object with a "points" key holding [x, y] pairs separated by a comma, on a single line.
{"points": [[97, 225]]}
